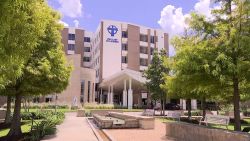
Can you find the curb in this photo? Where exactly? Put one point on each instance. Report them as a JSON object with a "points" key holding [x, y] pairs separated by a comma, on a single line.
{"points": [[94, 131], [108, 135]]}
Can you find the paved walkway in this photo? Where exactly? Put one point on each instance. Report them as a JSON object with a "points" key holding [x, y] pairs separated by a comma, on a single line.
{"points": [[157, 134], [73, 129]]}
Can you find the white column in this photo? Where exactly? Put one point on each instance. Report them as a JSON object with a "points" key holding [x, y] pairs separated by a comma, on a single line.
{"points": [[184, 106], [124, 96], [194, 104], [108, 95], [111, 94], [130, 95], [101, 100]]}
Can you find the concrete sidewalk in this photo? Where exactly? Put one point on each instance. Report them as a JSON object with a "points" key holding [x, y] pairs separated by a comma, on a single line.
{"points": [[73, 129]]}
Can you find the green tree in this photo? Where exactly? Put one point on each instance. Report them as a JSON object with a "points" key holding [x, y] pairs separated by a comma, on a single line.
{"points": [[154, 75], [46, 71], [189, 79], [232, 63], [214, 57], [22, 23]]}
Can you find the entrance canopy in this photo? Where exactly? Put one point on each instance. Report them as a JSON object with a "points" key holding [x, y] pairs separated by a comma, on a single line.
{"points": [[125, 82], [118, 79]]}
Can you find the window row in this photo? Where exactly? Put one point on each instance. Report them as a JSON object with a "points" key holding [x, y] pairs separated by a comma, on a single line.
{"points": [[72, 48], [144, 38], [143, 49], [143, 61], [86, 59], [86, 49], [73, 37]]}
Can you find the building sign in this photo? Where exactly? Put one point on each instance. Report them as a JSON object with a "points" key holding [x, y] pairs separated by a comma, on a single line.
{"points": [[112, 30], [144, 95]]}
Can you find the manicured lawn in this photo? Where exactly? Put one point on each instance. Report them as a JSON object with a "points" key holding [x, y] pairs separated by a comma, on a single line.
{"points": [[25, 129], [58, 110], [230, 126], [165, 120]]}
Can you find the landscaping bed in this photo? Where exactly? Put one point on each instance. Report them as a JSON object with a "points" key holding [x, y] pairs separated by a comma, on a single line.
{"points": [[44, 123]]}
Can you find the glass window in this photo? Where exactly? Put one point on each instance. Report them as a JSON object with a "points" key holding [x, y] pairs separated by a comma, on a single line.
{"points": [[124, 47], [124, 34], [88, 90], [82, 87], [152, 39], [86, 39], [71, 47], [152, 51], [143, 62], [143, 38], [71, 36], [86, 49], [124, 59], [143, 50], [86, 59]]}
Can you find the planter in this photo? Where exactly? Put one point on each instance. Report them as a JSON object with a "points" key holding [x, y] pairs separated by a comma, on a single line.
{"points": [[80, 113], [191, 132]]}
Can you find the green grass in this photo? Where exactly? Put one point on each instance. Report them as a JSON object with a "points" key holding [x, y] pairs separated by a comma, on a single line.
{"points": [[165, 120], [58, 110], [124, 110], [25, 129], [230, 126]]}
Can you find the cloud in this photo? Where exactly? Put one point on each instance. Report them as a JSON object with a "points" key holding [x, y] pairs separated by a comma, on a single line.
{"points": [[172, 19], [173, 22], [88, 16], [71, 8], [76, 22], [64, 23], [203, 7]]}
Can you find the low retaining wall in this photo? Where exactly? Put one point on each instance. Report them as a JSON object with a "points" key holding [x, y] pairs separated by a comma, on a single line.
{"points": [[190, 132], [144, 122], [80, 113], [104, 112]]}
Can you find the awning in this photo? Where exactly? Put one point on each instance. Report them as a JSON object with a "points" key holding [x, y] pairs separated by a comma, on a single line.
{"points": [[126, 74]]}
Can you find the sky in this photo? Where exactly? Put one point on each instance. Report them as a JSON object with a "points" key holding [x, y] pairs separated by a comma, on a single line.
{"points": [[168, 15]]}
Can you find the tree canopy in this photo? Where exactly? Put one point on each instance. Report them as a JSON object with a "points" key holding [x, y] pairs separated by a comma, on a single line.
{"points": [[45, 71], [212, 57], [22, 22]]}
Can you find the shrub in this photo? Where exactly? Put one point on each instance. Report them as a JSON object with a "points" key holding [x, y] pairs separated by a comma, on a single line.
{"points": [[47, 126], [98, 106], [193, 113], [56, 106]]}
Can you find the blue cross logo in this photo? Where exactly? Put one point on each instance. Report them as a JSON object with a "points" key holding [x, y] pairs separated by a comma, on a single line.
{"points": [[112, 30]]}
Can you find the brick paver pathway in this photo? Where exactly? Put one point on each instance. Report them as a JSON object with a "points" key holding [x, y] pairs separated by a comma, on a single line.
{"points": [[156, 134], [73, 129]]}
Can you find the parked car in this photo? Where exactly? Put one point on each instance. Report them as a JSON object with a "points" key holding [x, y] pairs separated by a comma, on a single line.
{"points": [[172, 106]]}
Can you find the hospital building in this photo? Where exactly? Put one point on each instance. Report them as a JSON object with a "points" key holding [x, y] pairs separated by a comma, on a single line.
{"points": [[108, 63]]}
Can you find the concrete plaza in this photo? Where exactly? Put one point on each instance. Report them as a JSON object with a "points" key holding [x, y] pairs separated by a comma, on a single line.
{"points": [[73, 129]]}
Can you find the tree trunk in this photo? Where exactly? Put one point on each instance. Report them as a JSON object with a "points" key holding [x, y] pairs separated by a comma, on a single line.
{"points": [[149, 101], [164, 101], [236, 101], [28, 105], [161, 106], [203, 106], [8, 110], [189, 106], [15, 129]]}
